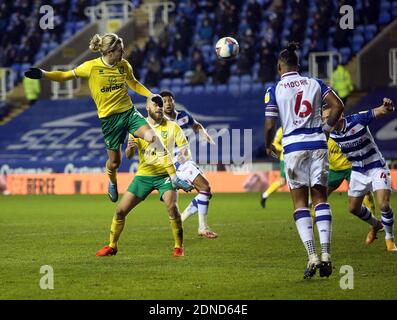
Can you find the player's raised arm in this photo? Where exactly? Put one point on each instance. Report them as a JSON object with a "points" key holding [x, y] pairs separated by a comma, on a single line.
{"points": [[386, 108], [336, 109]]}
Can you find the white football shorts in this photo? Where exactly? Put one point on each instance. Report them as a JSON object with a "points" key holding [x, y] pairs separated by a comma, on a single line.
{"points": [[188, 171], [306, 168], [372, 180]]}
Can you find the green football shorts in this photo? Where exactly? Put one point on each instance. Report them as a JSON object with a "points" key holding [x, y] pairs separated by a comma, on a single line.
{"points": [[116, 126], [335, 178], [282, 172], [142, 186]]}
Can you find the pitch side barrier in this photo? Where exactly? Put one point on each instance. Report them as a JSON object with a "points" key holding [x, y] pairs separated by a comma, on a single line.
{"points": [[67, 184]]}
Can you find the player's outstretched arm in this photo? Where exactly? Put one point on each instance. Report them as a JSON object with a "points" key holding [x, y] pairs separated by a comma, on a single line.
{"points": [[60, 76], [386, 108], [138, 87]]}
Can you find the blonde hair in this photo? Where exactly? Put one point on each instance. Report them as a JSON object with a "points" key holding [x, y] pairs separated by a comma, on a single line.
{"points": [[105, 43]]}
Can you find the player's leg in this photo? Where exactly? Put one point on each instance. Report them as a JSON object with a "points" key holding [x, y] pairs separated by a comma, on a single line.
{"points": [[275, 185], [323, 216], [297, 167], [322, 209], [304, 225], [360, 184], [369, 202], [112, 164], [383, 199], [170, 200], [127, 203], [114, 132], [203, 199]]}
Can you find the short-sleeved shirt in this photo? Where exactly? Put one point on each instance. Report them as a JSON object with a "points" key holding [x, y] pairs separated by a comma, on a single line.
{"points": [[107, 85], [357, 142], [296, 101], [171, 135]]}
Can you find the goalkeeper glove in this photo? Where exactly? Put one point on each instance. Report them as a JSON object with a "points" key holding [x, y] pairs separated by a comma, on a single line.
{"points": [[34, 73]]}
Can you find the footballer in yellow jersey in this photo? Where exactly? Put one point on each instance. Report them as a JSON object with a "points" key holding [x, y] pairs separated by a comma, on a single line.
{"points": [[109, 77], [278, 148], [151, 176]]}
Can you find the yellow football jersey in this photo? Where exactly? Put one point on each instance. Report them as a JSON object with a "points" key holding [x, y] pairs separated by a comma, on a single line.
{"points": [[170, 134], [337, 161], [277, 142], [107, 85]]}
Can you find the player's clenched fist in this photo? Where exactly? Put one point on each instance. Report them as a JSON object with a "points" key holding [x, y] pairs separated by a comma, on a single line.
{"points": [[388, 104]]}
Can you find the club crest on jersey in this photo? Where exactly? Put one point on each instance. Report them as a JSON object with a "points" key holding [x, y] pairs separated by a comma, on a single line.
{"points": [[112, 80], [164, 134], [267, 97], [121, 69]]}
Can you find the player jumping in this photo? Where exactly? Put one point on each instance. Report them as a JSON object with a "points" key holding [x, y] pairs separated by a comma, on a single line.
{"points": [[369, 169], [150, 176], [109, 77], [297, 101]]}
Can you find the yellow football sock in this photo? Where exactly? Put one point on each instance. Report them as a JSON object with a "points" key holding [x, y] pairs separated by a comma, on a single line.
{"points": [[177, 231], [273, 187], [112, 174], [115, 231], [369, 202]]}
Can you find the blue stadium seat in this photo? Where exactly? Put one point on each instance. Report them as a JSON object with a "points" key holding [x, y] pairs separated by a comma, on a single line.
{"points": [[385, 5], [177, 82], [176, 90], [234, 89], [357, 43], [222, 88], [234, 79], [257, 87], [384, 17], [246, 78], [345, 53], [198, 89], [210, 88], [370, 31], [245, 88], [187, 90], [165, 83]]}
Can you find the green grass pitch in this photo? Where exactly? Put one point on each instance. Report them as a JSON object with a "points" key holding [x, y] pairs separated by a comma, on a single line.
{"points": [[258, 254]]}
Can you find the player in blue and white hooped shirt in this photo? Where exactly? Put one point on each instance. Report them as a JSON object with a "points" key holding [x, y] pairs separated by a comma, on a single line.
{"points": [[369, 169], [187, 169], [296, 101]]}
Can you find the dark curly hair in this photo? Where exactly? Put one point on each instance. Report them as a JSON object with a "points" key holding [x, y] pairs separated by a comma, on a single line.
{"points": [[289, 55]]}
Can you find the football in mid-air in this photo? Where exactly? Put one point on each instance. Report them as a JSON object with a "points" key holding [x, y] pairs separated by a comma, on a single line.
{"points": [[227, 48]]}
